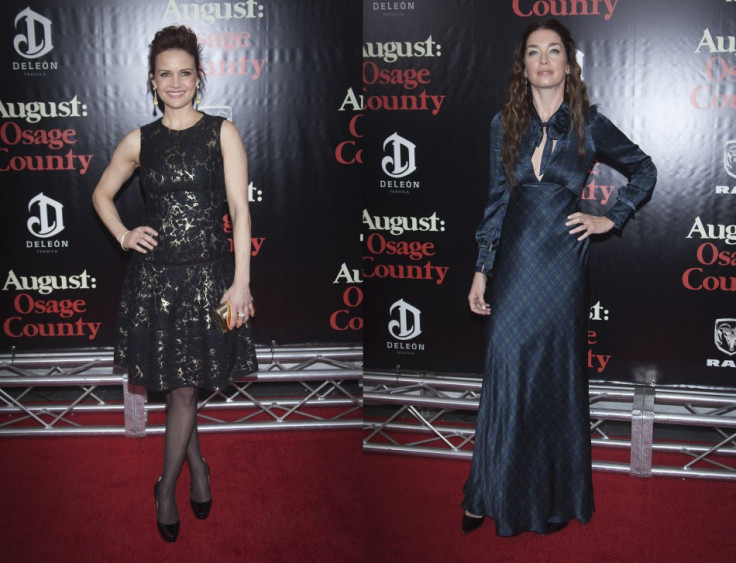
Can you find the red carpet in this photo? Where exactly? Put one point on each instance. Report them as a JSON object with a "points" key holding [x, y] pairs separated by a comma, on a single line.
{"points": [[315, 497], [413, 514], [277, 496]]}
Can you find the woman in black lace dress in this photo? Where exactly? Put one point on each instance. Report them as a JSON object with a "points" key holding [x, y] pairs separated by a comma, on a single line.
{"points": [[193, 171]]}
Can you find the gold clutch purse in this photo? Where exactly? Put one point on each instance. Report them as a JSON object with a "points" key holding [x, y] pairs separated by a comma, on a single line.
{"points": [[221, 315]]}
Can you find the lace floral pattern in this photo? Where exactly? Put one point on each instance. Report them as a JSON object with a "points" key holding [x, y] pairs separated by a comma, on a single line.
{"points": [[166, 336]]}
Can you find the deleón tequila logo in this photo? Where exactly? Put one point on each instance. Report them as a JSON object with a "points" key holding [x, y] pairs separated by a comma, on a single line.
{"points": [[34, 37], [401, 160], [49, 220], [408, 324]]}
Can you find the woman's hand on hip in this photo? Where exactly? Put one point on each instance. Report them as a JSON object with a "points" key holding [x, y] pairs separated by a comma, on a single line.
{"points": [[588, 225], [141, 239], [476, 297]]}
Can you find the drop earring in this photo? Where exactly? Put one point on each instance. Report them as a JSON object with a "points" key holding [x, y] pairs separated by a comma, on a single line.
{"points": [[199, 99], [155, 101]]}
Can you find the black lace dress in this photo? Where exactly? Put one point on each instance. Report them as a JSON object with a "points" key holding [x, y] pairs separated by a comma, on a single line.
{"points": [[166, 336]]}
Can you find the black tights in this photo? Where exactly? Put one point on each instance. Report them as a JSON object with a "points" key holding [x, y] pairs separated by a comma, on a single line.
{"points": [[182, 440]]}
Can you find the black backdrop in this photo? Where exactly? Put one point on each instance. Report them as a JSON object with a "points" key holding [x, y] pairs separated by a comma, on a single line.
{"points": [[279, 69], [392, 153], [664, 72]]}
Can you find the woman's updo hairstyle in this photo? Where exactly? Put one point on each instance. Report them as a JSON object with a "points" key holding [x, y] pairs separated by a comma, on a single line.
{"points": [[175, 37]]}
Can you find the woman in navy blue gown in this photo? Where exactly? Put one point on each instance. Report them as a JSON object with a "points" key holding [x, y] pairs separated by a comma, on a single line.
{"points": [[531, 468]]}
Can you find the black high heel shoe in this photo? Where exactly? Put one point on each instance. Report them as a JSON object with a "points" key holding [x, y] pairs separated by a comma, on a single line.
{"points": [[471, 523], [553, 528], [201, 509], [168, 532]]}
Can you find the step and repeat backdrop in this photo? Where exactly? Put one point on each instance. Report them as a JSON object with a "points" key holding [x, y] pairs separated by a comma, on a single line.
{"points": [[434, 72], [75, 82], [368, 174]]}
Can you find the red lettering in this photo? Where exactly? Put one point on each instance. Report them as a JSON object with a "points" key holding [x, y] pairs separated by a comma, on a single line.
{"points": [[341, 319], [24, 304], [517, 10], [409, 78], [8, 330], [543, 8], [703, 97], [592, 337], [415, 250], [708, 254], [342, 158], [701, 254], [339, 322], [708, 283], [11, 134], [717, 69], [228, 41], [357, 298], [5, 134], [353, 127]]}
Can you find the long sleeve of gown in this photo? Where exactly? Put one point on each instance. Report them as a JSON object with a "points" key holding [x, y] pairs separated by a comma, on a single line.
{"points": [[616, 150], [489, 231]]}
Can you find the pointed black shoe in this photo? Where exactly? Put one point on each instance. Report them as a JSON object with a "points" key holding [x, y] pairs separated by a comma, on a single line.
{"points": [[471, 523], [168, 532], [553, 528], [201, 509]]}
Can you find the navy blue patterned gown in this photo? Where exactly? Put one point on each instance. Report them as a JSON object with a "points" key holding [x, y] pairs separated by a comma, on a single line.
{"points": [[531, 459], [166, 335]]}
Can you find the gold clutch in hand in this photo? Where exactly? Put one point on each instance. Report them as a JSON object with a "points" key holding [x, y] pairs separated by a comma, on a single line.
{"points": [[222, 317]]}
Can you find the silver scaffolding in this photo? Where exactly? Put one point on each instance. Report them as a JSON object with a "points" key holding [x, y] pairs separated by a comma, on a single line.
{"points": [[301, 388], [433, 415], [83, 393]]}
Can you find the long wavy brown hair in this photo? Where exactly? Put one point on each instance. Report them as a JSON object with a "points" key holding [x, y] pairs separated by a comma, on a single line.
{"points": [[516, 113]]}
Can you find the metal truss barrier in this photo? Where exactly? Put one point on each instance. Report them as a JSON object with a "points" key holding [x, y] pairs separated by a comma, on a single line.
{"points": [[433, 415], [83, 393]]}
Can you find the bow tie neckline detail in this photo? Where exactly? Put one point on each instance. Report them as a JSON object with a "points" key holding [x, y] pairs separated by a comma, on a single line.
{"points": [[557, 126]]}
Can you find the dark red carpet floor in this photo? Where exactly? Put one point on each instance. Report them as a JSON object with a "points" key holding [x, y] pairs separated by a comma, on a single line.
{"points": [[413, 514], [316, 497], [277, 496]]}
